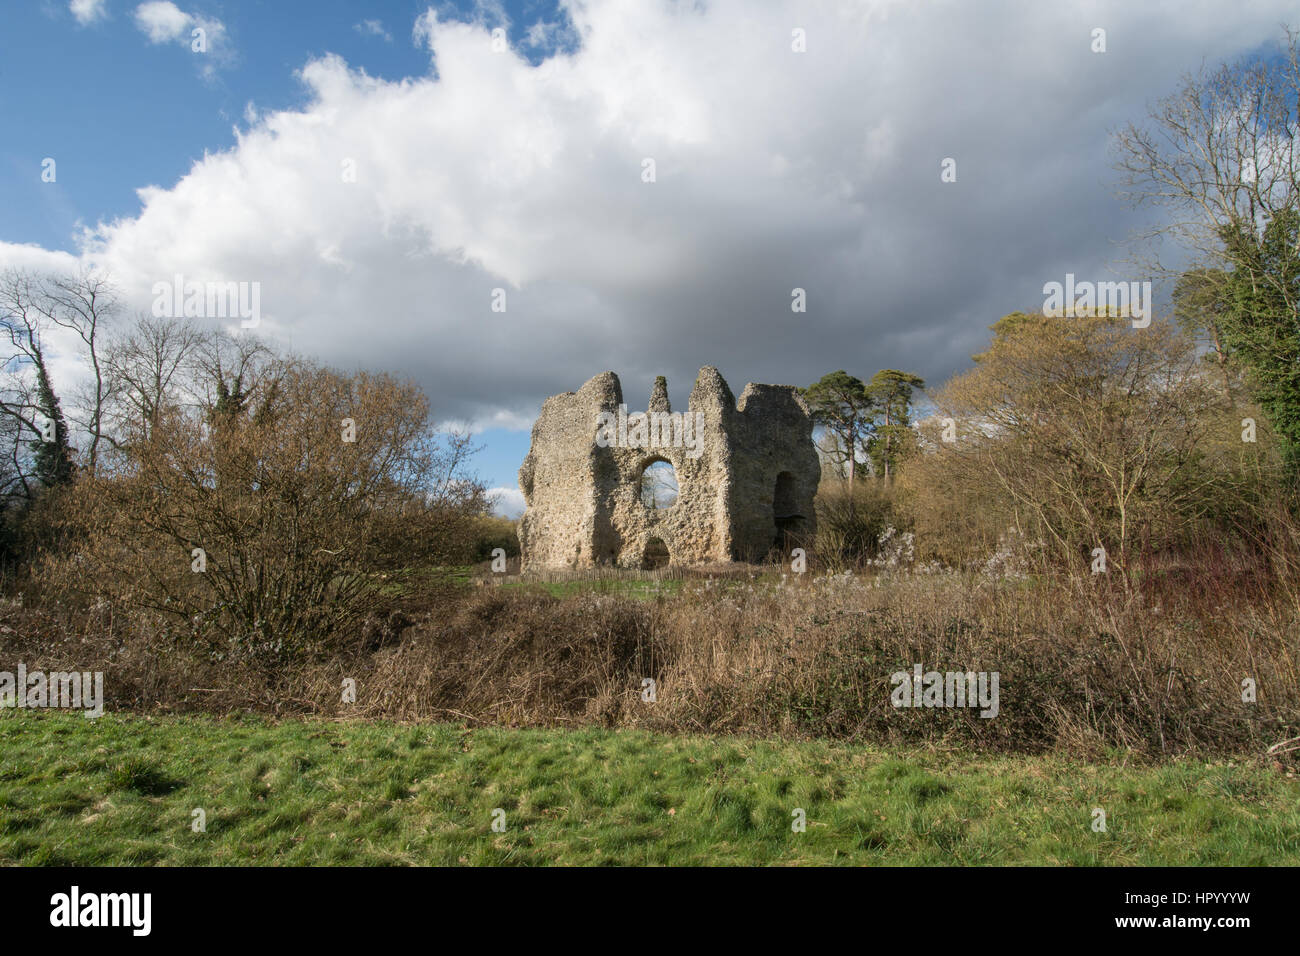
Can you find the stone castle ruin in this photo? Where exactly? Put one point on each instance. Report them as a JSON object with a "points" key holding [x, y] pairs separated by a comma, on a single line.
{"points": [[746, 473]]}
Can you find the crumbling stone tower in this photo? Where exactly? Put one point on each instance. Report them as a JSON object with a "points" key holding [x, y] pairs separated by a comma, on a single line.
{"points": [[747, 486]]}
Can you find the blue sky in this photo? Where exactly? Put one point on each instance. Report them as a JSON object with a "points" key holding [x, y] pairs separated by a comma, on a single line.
{"points": [[118, 112], [519, 168]]}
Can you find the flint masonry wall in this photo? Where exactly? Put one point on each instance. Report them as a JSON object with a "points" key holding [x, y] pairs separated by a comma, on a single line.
{"points": [[753, 480]]}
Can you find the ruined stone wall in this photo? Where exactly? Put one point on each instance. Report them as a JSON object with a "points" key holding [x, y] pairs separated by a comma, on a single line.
{"points": [[773, 428], [558, 478], [584, 505]]}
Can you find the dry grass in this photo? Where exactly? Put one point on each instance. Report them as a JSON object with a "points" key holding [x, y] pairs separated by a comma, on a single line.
{"points": [[1083, 666]]}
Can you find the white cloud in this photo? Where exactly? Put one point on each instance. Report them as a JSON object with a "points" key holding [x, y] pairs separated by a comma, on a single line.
{"points": [[87, 12], [425, 24], [775, 170], [30, 257], [373, 28], [486, 15], [542, 34], [162, 21], [507, 502]]}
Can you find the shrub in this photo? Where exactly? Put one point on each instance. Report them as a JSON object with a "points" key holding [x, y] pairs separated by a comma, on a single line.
{"points": [[491, 532], [1082, 433], [1084, 666], [259, 527], [850, 524]]}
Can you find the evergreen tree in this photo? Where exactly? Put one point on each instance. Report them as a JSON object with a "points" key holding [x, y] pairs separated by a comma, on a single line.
{"points": [[891, 393], [1260, 325], [52, 458], [840, 404]]}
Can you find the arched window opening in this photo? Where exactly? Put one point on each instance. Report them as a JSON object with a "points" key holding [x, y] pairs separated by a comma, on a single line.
{"points": [[658, 486]]}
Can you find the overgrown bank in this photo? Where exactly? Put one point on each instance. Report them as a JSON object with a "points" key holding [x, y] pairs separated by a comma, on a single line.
{"points": [[1082, 666]]}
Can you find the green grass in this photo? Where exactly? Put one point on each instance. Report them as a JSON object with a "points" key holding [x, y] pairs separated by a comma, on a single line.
{"points": [[121, 790]]}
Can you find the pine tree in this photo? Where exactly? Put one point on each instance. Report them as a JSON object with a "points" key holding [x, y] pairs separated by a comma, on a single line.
{"points": [[891, 393]]}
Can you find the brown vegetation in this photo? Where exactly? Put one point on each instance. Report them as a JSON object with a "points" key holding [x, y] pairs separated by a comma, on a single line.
{"points": [[1082, 433], [256, 530], [246, 503], [1084, 665]]}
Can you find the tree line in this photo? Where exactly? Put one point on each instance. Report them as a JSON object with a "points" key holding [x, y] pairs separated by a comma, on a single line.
{"points": [[230, 492]]}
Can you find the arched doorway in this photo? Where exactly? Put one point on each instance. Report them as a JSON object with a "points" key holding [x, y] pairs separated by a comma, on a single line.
{"points": [[656, 555], [787, 521]]}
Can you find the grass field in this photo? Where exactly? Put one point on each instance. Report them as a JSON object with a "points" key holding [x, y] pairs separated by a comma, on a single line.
{"points": [[122, 790]]}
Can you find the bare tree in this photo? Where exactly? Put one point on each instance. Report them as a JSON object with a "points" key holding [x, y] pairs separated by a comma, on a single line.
{"points": [[231, 370], [28, 396], [1221, 153], [15, 464], [265, 529], [1221, 157], [151, 367], [84, 302], [1084, 433]]}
